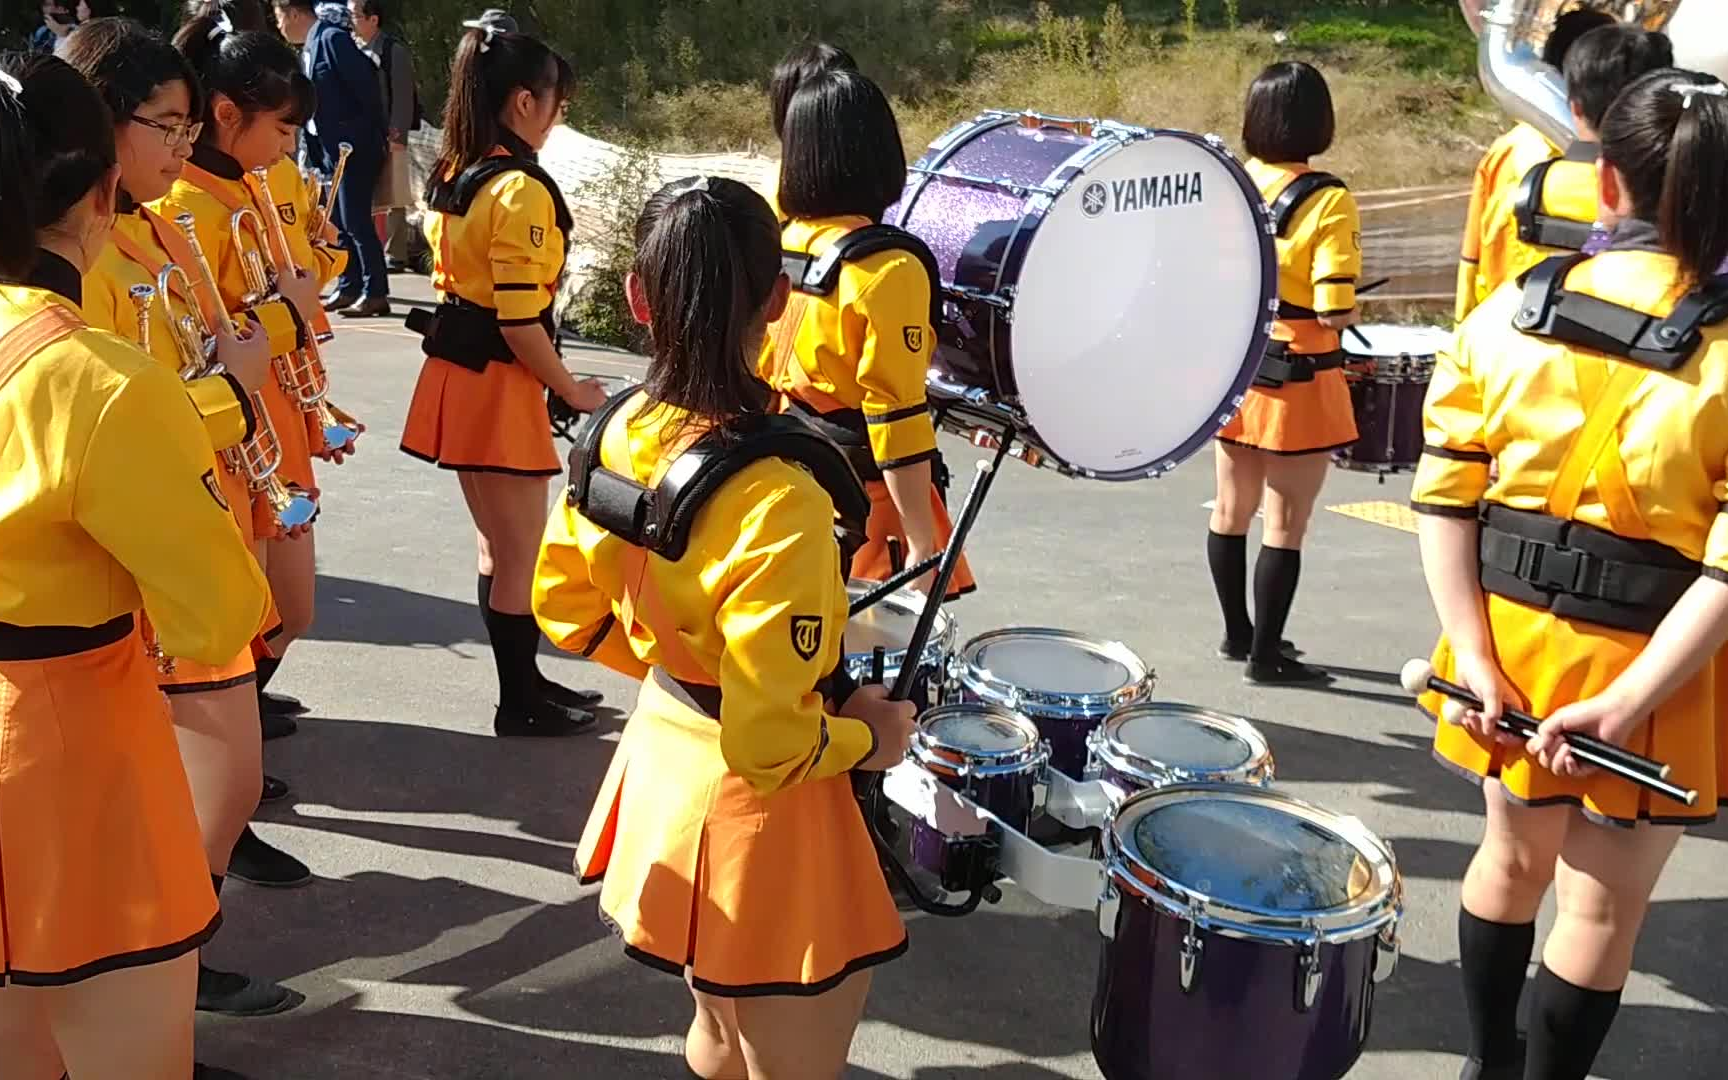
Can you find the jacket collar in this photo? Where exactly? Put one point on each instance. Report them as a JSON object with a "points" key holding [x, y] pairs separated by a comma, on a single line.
{"points": [[55, 274]]}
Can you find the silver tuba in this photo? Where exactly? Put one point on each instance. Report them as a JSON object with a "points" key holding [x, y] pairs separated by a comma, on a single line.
{"points": [[1511, 34]]}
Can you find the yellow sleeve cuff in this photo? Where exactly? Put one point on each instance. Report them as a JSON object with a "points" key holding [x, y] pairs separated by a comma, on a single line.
{"points": [[226, 410], [902, 437], [520, 305], [1334, 297], [1449, 485], [849, 743], [279, 325], [1716, 544]]}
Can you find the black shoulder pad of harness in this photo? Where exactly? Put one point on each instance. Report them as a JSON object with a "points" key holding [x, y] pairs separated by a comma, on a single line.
{"points": [[1549, 311], [1296, 194], [456, 196], [1537, 226], [818, 276], [660, 518]]}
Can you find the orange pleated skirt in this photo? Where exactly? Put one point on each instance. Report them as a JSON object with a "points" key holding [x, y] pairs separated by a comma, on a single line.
{"points": [[776, 895], [101, 865], [1296, 418], [1553, 662], [481, 421], [874, 562], [291, 430], [189, 676]]}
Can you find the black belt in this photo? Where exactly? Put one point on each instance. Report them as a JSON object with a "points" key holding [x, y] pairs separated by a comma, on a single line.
{"points": [[705, 698], [48, 642], [1578, 571], [847, 429], [1281, 366], [468, 334]]}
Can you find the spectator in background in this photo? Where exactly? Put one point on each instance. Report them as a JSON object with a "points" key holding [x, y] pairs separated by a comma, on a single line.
{"points": [[402, 106], [246, 15], [350, 110], [58, 19]]}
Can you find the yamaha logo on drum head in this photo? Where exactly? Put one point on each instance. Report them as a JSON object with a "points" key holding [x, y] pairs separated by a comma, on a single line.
{"points": [[1095, 199]]}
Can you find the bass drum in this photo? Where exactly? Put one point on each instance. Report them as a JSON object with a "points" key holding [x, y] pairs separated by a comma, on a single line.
{"points": [[1108, 289]]}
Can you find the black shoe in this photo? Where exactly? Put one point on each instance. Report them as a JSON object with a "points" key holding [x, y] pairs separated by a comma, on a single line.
{"points": [[1285, 672], [275, 790], [395, 266], [1229, 650], [277, 725], [281, 705], [545, 718], [231, 994], [213, 1072], [372, 308], [338, 301], [257, 863], [570, 697]]}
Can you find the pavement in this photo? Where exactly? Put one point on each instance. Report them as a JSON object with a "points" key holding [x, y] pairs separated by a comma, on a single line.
{"points": [[445, 936]]}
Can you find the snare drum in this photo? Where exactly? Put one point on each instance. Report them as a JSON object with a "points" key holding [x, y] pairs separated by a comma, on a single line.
{"points": [[1238, 909], [890, 624], [1066, 683], [992, 756], [1158, 743], [1078, 255], [1388, 384]]}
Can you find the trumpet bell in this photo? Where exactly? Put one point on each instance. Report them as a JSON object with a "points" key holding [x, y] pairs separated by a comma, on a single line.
{"points": [[292, 508], [337, 437]]}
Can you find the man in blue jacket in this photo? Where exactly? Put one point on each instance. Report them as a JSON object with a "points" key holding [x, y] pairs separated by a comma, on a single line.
{"points": [[350, 110]]}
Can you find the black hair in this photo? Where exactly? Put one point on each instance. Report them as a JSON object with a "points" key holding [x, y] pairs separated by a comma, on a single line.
{"points": [[56, 144], [1607, 60], [1568, 28], [803, 63], [1289, 115], [373, 9], [708, 257], [1672, 148], [127, 63], [255, 70], [99, 9], [243, 14], [841, 153], [489, 67]]}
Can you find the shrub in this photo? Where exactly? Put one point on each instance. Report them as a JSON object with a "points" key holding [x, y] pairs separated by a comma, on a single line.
{"points": [[598, 311]]}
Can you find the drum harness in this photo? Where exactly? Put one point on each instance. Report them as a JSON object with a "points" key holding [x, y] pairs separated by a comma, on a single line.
{"points": [[1576, 570], [818, 276], [459, 330], [1536, 225], [1280, 365]]}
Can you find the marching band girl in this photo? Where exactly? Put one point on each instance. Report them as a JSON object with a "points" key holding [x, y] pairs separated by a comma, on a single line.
{"points": [[855, 361], [497, 228], [1508, 160], [1279, 446], [156, 100], [112, 510], [803, 63], [727, 831], [255, 99], [1625, 467]]}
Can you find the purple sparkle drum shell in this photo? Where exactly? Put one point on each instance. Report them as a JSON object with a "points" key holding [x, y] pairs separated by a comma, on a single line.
{"points": [[1240, 909], [1158, 743], [991, 755], [1079, 256], [1388, 397]]}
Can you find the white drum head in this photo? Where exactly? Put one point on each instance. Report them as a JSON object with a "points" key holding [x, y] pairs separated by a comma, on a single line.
{"points": [[1387, 339], [1139, 306]]}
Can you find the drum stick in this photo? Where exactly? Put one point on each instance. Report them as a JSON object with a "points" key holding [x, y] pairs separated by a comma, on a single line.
{"points": [[1372, 285], [945, 571], [1360, 336], [878, 665], [896, 561], [895, 584], [1418, 676]]}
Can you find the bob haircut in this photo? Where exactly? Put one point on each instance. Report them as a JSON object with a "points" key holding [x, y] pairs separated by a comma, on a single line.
{"points": [[797, 67], [1289, 115], [841, 154]]}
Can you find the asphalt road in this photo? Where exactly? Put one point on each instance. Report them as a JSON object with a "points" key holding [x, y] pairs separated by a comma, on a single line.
{"points": [[446, 938]]}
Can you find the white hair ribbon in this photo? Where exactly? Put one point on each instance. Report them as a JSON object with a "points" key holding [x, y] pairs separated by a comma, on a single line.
{"points": [[10, 82], [1692, 90], [488, 28], [224, 25]]}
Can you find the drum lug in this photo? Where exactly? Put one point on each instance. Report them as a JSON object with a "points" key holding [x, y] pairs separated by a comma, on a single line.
{"points": [[1108, 905], [1308, 973], [1192, 947], [1386, 953]]}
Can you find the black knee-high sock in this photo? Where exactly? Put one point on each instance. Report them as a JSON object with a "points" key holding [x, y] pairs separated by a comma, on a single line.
{"points": [[1276, 572], [1228, 557], [266, 666], [483, 593], [1568, 1025], [515, 653], [1494, 957]]}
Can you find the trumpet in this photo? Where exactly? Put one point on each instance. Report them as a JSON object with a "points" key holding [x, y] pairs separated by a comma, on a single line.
{"points": [[195, 345], [143, 297], [258, 457], [302, 373], [324, 202]]}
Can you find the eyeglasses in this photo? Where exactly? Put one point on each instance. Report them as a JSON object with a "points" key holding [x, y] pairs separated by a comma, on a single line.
{"points": [[180, 133]]}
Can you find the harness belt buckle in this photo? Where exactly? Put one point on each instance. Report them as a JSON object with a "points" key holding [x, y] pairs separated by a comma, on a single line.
{"points": [[1556, 569]]}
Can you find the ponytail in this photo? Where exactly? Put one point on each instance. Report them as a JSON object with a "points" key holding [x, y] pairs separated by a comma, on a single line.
{"points": [[255, 70], [491, 64], [56, 145], [1668, 136], [708, 257]]}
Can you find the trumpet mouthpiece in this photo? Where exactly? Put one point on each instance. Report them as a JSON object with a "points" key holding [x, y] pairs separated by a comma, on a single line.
{"points": [[1415, 675]]}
